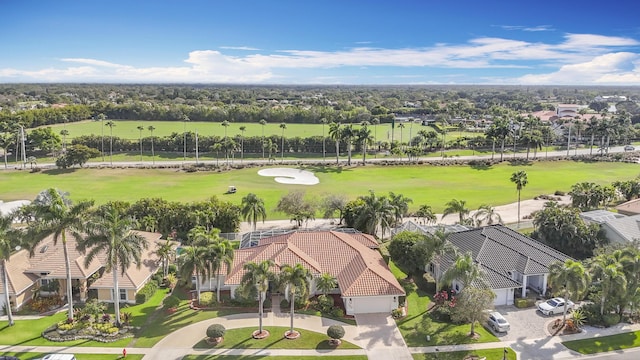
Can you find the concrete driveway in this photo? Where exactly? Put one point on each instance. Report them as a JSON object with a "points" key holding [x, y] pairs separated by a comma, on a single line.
{"points": [[525, 323], [379, 335]]}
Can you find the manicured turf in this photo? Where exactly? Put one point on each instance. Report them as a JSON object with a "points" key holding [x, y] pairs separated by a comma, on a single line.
{"points": [[241, 339], [433, 185], [34, 356], [490, 354], [265, 357], [605, 343]]}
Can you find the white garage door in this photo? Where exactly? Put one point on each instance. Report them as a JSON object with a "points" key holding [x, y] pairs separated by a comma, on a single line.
{"points": [[373, 304], [501, 297]]}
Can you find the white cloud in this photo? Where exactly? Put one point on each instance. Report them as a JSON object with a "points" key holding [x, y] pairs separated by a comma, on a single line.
{"points": [[246, 48], [583, 58], [528, 28]]}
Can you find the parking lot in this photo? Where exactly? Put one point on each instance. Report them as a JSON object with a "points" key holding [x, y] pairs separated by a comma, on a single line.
{"points": [[525, 323]]}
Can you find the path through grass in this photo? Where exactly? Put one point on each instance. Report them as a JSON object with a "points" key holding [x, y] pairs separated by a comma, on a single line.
{"points": [[595, 345]]}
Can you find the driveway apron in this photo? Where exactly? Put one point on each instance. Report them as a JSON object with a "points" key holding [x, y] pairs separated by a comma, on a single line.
{"points": [[379, 335]]}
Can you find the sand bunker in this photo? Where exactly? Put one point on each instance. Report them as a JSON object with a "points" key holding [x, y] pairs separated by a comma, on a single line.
{"points": [[291, 176]]}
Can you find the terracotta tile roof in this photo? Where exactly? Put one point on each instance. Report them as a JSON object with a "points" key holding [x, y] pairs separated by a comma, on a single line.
{"points": [[350, 258], [19, 280], [133, 277], [631, 207]]}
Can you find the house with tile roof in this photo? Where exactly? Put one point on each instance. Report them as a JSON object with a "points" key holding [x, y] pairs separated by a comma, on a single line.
{"points": [[27, 274], [365, 283], [618, 228], [509, 260], [631, 207]]}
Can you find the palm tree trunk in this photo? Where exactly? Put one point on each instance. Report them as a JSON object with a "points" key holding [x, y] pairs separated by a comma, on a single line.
{"points": [[349, 153], [218, 286], [502, 150], [493, 149], [68, 269], [261, 311], [518, 208], [591, 147], [337, 152], [292, 300], [198, 287], [473, 327], [564, 313], [116, 295], [7, 300]]}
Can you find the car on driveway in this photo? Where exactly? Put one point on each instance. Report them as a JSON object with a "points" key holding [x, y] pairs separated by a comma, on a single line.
{"points": [[629, 148], [555, 306], [498, 323]]}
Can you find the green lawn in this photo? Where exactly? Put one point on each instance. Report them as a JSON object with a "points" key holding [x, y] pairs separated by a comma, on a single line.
{"points": [[265, 357], [433, 185], [490, 354], [314, 312], [418, 324], [34, 356], [605, 343], [241, 339]]}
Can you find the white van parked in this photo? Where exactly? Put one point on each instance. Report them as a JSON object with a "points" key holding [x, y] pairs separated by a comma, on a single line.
{"points": [[59, 357]]}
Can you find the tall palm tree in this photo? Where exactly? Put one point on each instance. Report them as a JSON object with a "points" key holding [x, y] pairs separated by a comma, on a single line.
{"points": [[606, 270], [193, 260], [571, 277], [296, 279], [263, 122], [400, 205], [325, 283], [348, 133], [64, 133], [7, 241], [283, 126], [221, 254], [457, 207], [439, 246], [401, 127], [56, 216], [520, 179], [364, 137], [259, 275], [486, 214], [140, 128], [6, 140], [426, 213], [375, 211], [242, 130], [112, 234], [335, 133], [185, 119], [153, 152], [110, 124], [252, 208], [375, 123], [323, 121], [102, 117], [165, 252], [226, 124]]}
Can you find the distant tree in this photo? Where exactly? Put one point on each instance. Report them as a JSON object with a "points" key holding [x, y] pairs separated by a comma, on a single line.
{"points": [[630, 189], [140, 129], [335, 132], [333, 203], [297, 207], [263, 123], [457, 207], [408, 251], [110, 124], [253, 208], [76, 155], [426, 214], [486, 214], [520, 179], [587, 195], [283, 126]]}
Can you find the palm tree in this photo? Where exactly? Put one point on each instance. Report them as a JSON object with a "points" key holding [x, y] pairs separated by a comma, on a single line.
{"points": [[465, 270], [607, 271], [242, 130], [283, 126], [335, 133], [56, 216], [375, 122], [426, 213], [6, 140], [323, 121], [225, 124], [571, 277], [185, 119], [253, 207], [296, 279], [193, 260], [364, 137], [401, 127], [520, 179], [112, 234], [140, 128], [456, 207], [326, 282], [102, 117], [259, 275], [110, 124], [400, 205], [221, 253], [165, 252], [374, 211], [348, 133], [7, 235], [439, 246], [64, 133], [263, 122], [153, 153], [486, 214]]}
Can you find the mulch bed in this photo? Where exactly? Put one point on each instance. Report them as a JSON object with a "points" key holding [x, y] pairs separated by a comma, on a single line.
{"points": [[560, 330]]}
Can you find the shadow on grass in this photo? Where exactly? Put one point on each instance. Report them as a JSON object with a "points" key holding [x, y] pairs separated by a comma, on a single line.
{"points": [[325, 169], [59, 171], [520, 162]]}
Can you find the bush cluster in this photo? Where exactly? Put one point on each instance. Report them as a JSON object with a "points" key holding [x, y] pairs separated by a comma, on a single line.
{"points": [[146, 292]]}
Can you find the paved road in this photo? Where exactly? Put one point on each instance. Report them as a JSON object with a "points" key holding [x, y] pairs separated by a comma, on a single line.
{"points": [[173, 163]]}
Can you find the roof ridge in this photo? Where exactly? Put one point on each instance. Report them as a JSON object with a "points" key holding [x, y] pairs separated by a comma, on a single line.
{"points": [[527, 240]]}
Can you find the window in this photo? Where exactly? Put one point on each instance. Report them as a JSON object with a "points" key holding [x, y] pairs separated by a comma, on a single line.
{"points": [[432, 268], [123, 294], [45, 282]]}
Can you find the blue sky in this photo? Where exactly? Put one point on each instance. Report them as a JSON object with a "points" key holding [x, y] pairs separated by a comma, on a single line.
{"points": [[561, 42]]}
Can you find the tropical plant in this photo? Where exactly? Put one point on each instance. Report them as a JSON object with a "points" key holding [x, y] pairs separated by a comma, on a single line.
{"points": [[140, 128], [426, 213], [520, 179], [283, 126], [193, 260], [110, 124], [609, 273], [7, 242], [262, 123], [258, 275], [296, 280], [400, 205], [457, 207], [335, 133], [486, 214], [165, 252], [374, 211], [570, 278], [252, 208], [464, 270], [348, 133], [326, 282], [112, 234], [242, 130], [151, 128], [56, 216]]}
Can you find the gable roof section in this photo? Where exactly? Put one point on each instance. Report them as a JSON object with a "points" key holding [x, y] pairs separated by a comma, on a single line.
{"points": [[134, 277], [627, 227], [19, 280], [631, 207], [48, 259], [350, 258], [500, 250]]}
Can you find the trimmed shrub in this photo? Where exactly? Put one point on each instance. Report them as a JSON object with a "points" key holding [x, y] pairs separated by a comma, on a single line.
{"points": [[523, 303], [206, 298], [337, 312], [324, 303], [171, 302], [284, 304], [610, 319], [216, 331], [559, 193], [335, 332], [146, 292]]}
